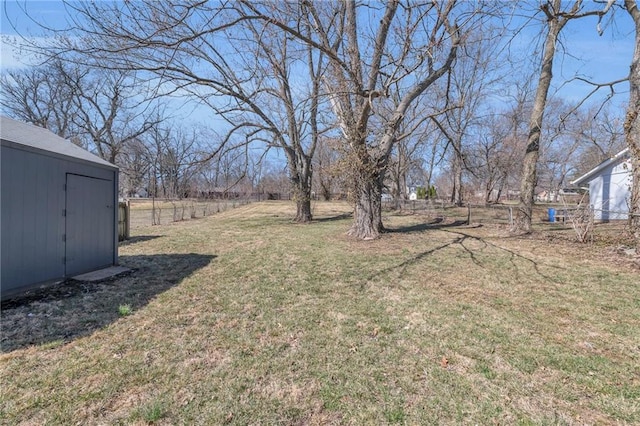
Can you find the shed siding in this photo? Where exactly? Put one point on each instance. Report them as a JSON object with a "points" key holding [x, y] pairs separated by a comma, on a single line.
{"points": [[89, 223], [31, 237], [609, 193], [32, 220]]}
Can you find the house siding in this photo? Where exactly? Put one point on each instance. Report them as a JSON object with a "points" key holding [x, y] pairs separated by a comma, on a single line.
{"points": [[609, 192]]}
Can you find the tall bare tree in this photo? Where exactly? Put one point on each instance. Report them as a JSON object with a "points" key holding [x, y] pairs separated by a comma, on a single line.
{"points": [[557, 16], [300, 129], [44, 95], [496, 155], [326, 181], [251, 74], [405, 44], [416, 136], [632, 124], [110, 112], [466, 89]]}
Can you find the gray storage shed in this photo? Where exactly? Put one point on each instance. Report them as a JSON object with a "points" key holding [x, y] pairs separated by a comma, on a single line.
{"points": [[59, 208]]}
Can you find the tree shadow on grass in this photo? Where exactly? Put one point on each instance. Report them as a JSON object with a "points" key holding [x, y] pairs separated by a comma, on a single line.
{"points": [[437, 223], [72, 309], [462, 240], [333, 218]]}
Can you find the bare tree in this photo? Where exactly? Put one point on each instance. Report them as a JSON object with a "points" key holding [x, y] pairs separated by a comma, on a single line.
{"points": [[556, 18], [632, 124], [466, 89], [412, 46], [558, 148], [248, 72], [177, 161], [110, 113], [404, 158], [299, 132], [575, 142], [418, 149], [44, 95], [135, 163], [325, 178], [173, 160], [223, 174], [99, 109], [601, 136], [496, 156]]}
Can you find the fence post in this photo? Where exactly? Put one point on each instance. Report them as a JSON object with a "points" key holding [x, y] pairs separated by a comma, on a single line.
{"points": [[124, 219], [127, 230]]}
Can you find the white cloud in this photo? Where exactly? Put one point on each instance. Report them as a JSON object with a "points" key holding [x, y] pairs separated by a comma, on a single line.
{"points": [[12, 56], [18, 52], [9, 56]]}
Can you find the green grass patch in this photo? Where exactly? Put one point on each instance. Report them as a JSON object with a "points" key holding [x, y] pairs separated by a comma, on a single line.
{"points": [[124, 310], [151, 412]]}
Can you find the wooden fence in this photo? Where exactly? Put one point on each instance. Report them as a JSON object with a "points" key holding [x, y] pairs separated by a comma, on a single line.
{"points": [[124, 220]]}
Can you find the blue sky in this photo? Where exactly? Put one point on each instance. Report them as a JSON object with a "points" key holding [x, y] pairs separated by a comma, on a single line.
{"points": [[600, 58], [14, 23]]}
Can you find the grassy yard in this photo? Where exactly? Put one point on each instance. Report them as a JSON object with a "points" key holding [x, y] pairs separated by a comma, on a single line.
{"points": [[245, 318]]}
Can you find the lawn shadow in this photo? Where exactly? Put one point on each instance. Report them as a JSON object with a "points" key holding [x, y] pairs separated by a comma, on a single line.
{"points": [[461, 240], [64, 312], [333, 218], [138, 239], [437, 223]]}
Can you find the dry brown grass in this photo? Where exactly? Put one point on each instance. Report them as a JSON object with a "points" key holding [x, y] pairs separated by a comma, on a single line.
{"points": [[247, 318]]}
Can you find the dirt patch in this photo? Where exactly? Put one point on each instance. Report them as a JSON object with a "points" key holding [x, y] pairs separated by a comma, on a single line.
{"points": [[57, 313]]}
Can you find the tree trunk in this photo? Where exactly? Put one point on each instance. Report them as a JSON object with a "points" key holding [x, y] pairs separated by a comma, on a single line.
{"points": [[488, 190], [456, 195], [303, 207], [325, 190], [499, 194], [301, 174], [367, 223], [399, 185], [632, 126], [522, 222], [634, 207]]}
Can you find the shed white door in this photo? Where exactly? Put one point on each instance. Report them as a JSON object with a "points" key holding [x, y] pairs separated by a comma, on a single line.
{"points": [[90, 232]]}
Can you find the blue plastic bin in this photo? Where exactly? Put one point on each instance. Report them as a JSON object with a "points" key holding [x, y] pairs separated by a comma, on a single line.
{"points": [[552, 215]]}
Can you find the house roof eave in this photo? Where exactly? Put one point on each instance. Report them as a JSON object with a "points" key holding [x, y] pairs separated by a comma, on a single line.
{"points": [[593, 172]]}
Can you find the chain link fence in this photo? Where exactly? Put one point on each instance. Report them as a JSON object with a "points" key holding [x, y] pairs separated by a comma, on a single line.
{"points": [[551, 218], [471, 213], [147, 212]]}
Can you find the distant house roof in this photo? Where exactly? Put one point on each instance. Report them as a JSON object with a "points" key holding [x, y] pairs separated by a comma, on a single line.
{"points": [[621, 156], [39, 139]]}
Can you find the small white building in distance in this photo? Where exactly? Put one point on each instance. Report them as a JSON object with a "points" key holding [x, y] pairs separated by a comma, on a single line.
{"points": [[609, 186]]}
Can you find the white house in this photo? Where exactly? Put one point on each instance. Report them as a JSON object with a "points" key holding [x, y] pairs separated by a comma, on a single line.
{"points": [[412, 191], [609, 187]]}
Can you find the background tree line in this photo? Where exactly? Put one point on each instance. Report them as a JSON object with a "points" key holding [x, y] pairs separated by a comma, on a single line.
{"points": [[358, 99]]}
